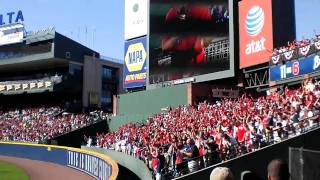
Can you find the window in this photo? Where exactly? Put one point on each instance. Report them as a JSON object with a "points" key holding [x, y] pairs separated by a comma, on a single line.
{"points": [[75, 69], [106, 97], [106, 73]]}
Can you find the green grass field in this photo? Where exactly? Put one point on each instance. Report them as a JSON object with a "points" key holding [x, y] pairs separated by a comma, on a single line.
{"points": [[11, 172]]}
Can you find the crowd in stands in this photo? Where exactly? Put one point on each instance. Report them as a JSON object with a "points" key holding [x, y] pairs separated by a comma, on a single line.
{"points": [[295, 44], [187, 138], [296, 49], [39, 124]]}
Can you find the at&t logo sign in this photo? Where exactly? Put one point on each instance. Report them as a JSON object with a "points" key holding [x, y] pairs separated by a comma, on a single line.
{"points": [[254, 25], [255, 21]]}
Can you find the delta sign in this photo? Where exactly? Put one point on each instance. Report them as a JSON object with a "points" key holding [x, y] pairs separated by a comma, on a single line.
{"points": [[135, 63], [11, 28], [11, 17]]}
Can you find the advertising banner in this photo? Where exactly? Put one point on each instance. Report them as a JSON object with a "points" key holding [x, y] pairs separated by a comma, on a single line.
{"points": [[136, 21], [255, 28], [135, 63], [295, 68], [90, 164], [98, 166], [11, 34]]}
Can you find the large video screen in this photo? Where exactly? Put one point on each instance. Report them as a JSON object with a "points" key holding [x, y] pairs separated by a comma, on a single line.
{"points": [[188, 38]]}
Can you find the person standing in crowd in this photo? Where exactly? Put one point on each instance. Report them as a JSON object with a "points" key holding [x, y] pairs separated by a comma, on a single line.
{"points": [[256, 139], [211, 152], [89, 142], [192, 153], [229, 144], [162, 159], [156, 165], [179, 160]]}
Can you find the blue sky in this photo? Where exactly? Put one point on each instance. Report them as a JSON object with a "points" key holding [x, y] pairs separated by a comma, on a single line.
{"points": [[103, 18], [307, 22]]}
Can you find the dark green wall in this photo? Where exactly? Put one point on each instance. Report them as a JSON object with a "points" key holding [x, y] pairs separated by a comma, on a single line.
{"points": [[151, 101], [136, 107], [117, 121]]}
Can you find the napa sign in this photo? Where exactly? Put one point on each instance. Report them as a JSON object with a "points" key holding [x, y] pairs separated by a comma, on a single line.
{"points": [[11, 17], [135, 60]]}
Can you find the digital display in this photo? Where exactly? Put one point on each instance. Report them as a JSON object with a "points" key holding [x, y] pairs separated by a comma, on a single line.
{"points": [[188, 38]]}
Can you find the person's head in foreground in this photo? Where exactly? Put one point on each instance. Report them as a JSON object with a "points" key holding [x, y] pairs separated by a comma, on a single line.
{"points": [[221, 173], [278, 170]]}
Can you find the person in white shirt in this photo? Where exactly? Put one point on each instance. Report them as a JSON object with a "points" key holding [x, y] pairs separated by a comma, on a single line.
{"points": [[310, 86], [89, 142]]}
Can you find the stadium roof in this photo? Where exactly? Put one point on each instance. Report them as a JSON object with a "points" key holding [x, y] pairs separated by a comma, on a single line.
{"points": [[41, 35], [112, 59]]}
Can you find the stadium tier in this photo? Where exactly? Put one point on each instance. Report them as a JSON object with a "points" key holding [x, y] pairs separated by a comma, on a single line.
{"points": [[46, 63], [40, 124]]}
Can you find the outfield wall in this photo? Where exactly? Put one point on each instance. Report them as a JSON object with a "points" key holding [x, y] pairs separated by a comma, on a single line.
{"points": [[94, 164], [138, 106], [151, 101], [133, 164]]}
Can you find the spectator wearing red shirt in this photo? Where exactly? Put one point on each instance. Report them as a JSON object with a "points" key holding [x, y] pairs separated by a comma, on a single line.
{"points": [[240, 133]]}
